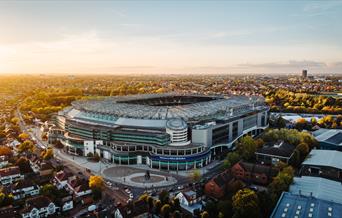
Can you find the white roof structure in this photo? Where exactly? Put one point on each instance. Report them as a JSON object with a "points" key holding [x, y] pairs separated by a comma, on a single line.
{"points": [[328, 158], [317, 187], [332, 136], [167, 106]]}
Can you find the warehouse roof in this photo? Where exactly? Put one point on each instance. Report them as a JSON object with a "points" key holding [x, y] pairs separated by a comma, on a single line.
{"points": [[293, 205], [328, 158], [317, 187]]}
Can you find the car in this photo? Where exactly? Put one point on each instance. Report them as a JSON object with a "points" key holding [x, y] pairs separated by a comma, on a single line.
{"points": [[180, 187], [92, 207], [254, 188]]}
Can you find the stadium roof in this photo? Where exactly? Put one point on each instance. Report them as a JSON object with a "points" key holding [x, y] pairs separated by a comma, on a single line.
{"points": [[317, 187], [293, 205], [328, 158], [166, 106], [331, 136]]}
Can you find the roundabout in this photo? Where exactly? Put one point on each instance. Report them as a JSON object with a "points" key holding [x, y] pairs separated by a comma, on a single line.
{"points": [[135, 177]]}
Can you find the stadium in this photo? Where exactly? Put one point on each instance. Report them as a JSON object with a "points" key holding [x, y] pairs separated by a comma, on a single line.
{"points": [[163, 131]]}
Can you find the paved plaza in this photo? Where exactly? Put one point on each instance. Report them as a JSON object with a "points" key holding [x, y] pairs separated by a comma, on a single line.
{"points": [[136, 177]]}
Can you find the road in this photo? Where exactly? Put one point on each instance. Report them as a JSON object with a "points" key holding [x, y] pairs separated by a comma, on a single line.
{"points": [[117, 196]]}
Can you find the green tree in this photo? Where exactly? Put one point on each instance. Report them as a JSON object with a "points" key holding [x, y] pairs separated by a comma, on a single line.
{"points": [[165, 210], [281, 183], [245, 204], [204, 214], [26, 146], [24, 165], [246, 147], [232, 158], [196, 175], [47, 154], [303, 149], [50, 191], [164, 197]]}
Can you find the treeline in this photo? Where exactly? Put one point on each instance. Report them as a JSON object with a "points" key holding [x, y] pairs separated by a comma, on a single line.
{"points": [[286, 101]]}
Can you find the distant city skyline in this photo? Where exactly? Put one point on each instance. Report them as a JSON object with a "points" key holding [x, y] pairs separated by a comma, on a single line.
{"points": [[169, 37]]}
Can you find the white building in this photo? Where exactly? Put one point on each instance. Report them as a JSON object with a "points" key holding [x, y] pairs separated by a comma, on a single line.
{"points": [[9, 175], [40, 206], [24, 188]]}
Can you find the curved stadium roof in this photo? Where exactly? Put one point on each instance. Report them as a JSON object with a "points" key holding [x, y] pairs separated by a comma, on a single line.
{"points": [[165, 106]]}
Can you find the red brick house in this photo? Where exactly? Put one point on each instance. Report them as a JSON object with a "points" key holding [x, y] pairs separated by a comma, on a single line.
{"points": [[254, 173], [217, 186]]}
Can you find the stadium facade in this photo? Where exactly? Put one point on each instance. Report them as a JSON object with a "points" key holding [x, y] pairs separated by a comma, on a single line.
{"points": [[164, 131]]}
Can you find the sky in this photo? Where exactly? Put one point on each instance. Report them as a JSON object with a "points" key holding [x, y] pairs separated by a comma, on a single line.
{"points": [[169, 37]]}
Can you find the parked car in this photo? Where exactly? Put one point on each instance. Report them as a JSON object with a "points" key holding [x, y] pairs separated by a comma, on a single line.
{"points": [[92, 207]]}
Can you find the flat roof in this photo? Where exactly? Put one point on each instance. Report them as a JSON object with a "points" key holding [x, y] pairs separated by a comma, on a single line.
{"points": [[317, 187], [293, 205], [328, 158]]}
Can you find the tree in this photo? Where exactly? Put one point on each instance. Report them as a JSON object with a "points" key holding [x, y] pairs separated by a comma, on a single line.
{"points": [[157, 206], [15, 120], [27, 145], [196, 175], [176, 214], [204, 214], [164, 197], [96, 182], [303, 149], [24, 165], [232, 158], [245, 204], [24, 136], [165, 210], [246, 147], [50, 191], [150, 202], [47, 154], [281, 183], [5, 199], [5, 151], [97, 193], [96, 157]]}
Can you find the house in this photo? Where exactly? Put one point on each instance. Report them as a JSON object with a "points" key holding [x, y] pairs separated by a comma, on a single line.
{"points": [[44, 168], [40, 206], [217, 186], [13, 144], [7, 212], [9, 175], [295, 205], [188, 198], [329, 139], [65, 203], [138, 208], [23, 189], [3, 161], [78, 186], [254, 173], [189, 201], [61, 178], [323, 163], [272, 154]]}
